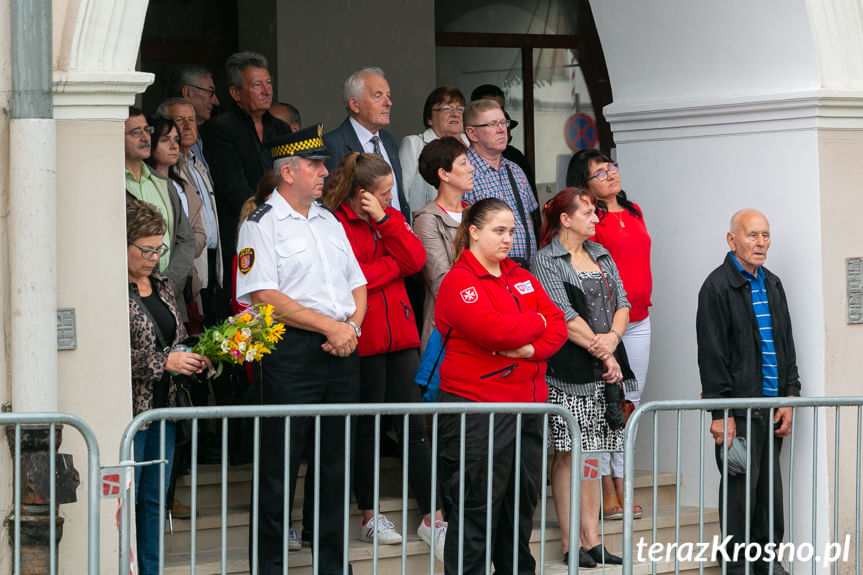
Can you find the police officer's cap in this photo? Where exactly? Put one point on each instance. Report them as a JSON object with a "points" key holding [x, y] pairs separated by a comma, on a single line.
{"points": [[305, 143]]}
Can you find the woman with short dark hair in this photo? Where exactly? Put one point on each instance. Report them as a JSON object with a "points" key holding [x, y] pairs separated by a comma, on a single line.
{"points": [[443, 164]]}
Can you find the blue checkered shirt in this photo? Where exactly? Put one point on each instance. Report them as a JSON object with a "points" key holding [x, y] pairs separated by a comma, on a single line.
{"points": [[491, 183]]}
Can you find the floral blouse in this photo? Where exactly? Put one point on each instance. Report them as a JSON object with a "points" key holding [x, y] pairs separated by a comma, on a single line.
{"points": [[148, 359]]}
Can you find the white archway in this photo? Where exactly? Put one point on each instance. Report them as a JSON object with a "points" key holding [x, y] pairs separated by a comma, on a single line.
{"points": [[720, 106]]}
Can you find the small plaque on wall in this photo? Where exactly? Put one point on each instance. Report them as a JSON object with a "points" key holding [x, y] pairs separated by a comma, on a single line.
{"points": [[854, 277]]}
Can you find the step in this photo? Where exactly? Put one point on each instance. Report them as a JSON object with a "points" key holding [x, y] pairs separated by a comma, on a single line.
{"points": [[300, 562], [237, 517], [209, 533], [389, 563], [361, 556], [209, 479]]}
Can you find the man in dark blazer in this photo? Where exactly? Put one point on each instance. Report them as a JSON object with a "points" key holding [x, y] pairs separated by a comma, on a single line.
{"points": [[367, 100], [235, 142]]}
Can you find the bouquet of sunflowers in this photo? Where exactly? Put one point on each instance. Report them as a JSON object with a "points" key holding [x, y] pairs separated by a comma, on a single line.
{"points": [[242, 338]]}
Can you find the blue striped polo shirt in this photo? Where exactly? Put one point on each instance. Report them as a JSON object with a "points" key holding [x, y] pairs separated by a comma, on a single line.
{"points": [[761, 309]]}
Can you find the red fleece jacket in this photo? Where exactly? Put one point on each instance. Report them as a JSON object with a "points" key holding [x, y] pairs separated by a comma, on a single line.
{"points": [[490, 314]]}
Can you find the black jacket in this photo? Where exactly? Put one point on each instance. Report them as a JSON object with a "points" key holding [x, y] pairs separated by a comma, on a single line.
{"points": [[237, 161], [729, 345]]}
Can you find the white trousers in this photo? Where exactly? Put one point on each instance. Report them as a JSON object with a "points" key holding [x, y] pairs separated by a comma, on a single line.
{"points": [[636, 339]]}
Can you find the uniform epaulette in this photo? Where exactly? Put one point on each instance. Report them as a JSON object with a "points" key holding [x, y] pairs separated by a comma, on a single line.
{"points": [[259, 212], [325, 208]]}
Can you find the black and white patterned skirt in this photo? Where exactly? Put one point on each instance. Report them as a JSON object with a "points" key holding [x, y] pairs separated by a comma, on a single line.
{"points": [[590, 412]]}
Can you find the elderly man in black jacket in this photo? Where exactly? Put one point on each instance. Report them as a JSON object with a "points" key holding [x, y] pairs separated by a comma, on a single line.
{"points": [[235, 142], [746, 349]]}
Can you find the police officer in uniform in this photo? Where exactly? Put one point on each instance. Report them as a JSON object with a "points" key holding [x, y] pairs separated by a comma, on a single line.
{"points": [[294, 255]]}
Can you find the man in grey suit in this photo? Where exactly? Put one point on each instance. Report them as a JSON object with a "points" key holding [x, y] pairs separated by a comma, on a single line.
{"points": [[367, 100]]}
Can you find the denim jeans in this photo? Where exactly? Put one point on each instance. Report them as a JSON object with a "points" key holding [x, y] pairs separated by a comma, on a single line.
{"points": [[147, 524]]}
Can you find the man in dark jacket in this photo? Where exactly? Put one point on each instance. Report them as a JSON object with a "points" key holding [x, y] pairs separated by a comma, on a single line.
{"points": [[235, 142], [746, 349]]}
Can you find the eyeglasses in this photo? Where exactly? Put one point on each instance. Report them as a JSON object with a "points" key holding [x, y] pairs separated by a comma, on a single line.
{"points": [[138, 132], [447, 109], [499, 123], [603, 174], [210, 91], [148, 253]]}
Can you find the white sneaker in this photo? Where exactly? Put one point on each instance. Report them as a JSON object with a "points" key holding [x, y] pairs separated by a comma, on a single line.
{"points": [[425, 533], [294, 540], [387, 534]]}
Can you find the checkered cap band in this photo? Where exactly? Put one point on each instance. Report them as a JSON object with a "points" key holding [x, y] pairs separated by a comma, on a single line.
{"points": [[290, 149]]}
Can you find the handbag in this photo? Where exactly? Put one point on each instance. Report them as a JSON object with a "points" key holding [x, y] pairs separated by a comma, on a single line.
{"points": [[183, 398], [427, 375], [182, 383], [628, 408]]}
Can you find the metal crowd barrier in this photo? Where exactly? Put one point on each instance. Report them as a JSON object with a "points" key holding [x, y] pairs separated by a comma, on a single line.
{"points": [[227, 415], [807, 409], [51, 420]]}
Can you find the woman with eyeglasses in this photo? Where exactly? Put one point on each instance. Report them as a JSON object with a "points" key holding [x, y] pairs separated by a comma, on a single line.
{"points": [[622, 231], [442, 116], [155, 332]]}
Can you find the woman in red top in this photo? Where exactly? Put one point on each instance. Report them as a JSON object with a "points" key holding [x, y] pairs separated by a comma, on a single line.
{"points": [[621, 230], [499, 327], [359, 192]]}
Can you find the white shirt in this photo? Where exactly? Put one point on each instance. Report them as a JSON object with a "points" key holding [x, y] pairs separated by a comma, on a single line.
{"points": [[184, 201], [418, 191], [308, 259], [365, 138]]}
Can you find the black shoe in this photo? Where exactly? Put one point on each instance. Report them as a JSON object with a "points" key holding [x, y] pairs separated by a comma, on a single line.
{"points": [[597, 553], [585, 560]]}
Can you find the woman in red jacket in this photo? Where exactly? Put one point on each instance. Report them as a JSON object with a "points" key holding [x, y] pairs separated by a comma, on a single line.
{"points": [[500, 327], [359, 192]]}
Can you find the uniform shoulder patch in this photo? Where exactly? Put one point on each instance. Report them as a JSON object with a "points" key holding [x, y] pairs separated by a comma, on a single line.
{"points": [[246, 260], [469, 295], [259, 212]]}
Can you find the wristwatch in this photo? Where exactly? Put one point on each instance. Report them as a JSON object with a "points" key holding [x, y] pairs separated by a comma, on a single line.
{"points": [[357, 329]]}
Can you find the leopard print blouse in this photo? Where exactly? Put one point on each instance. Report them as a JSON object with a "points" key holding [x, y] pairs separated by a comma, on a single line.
{"points": [[148, 360]]}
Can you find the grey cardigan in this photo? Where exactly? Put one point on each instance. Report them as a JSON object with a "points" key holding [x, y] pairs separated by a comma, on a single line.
{"points": [[436, 230], [552, 267]]}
